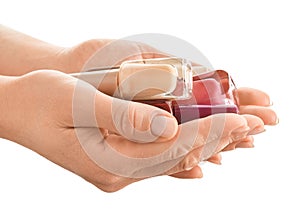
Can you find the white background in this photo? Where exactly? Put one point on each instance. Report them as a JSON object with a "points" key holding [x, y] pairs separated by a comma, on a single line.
{"points": [[257, 41]]}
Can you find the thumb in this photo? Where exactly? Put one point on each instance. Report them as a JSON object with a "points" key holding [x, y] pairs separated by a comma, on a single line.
{"points": [[135, 121]]}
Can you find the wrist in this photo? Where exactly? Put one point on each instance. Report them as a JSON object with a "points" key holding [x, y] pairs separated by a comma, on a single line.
{"points": [[44, 56], [22, 53], [48, 57]]}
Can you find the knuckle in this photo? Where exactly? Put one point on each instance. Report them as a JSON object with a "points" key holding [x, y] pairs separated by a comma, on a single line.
{"points": [[92, 44]]}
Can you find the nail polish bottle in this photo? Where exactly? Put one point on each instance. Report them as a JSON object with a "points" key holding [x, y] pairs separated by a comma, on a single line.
{"points": [[168, 83], [148, 79], [213, 93]]}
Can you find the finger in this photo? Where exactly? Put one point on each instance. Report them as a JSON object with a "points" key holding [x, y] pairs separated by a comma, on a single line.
{"points": [[200, 152], [220, 130], [195, 141], [255, 124], [195, 172], [216, 159], [214, 133], [135, 121], [231, 146], [246, 143], [190, 136], [250, 96], [268, 115], [191, 160]]}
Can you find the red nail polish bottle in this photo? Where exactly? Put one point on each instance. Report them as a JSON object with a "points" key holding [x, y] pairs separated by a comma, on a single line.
{"points": [[212, 93]]}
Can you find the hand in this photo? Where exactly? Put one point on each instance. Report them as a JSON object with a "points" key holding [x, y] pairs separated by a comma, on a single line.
{"points": [[252, 102], [72, 60], [40, 115], [104, 52]]}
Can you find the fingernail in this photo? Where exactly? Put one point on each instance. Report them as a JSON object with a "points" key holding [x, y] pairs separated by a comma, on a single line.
{"points": [[271, 103], [188, 169], [274, 121], [277, 121], [189, 166], [199, 175], [163, 126]]}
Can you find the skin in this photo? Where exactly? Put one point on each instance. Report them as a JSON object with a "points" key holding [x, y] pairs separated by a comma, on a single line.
{"points": [[46, 126]]}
